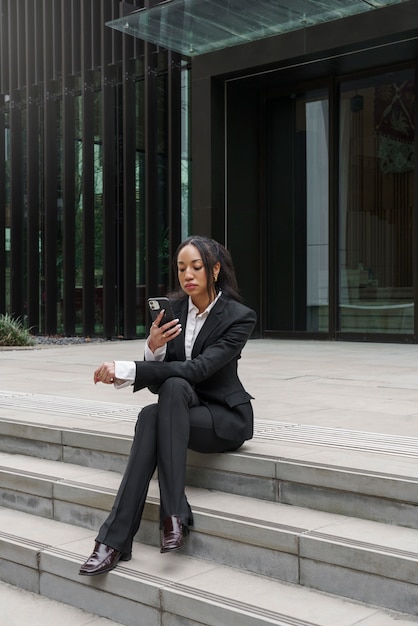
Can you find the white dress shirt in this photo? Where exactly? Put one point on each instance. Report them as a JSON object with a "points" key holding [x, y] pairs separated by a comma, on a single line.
{"points": [[125, 371]]}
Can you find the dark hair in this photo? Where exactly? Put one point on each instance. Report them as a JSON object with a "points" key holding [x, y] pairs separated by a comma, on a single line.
{"points": [[212, 252]]}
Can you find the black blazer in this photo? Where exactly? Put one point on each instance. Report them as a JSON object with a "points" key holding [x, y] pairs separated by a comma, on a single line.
{"points": [[212, 371]]}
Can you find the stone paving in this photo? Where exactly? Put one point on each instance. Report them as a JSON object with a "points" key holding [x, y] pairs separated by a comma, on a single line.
{"points": [[360, 386]]}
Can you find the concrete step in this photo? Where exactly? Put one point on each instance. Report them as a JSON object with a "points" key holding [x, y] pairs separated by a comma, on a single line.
{"points": [[375, 485], [23, 608], [43, 556], [359, 559]]}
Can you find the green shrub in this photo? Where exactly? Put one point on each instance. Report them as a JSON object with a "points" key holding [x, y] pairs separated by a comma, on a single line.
{"points": [[13, 332]]}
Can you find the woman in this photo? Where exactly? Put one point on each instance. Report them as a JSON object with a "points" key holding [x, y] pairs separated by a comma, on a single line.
{"points": [[202, 404]]}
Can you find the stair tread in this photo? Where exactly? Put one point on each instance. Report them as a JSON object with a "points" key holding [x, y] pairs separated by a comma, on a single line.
{"points": [[263, 453], [288, 542], [260, 521], [61, 548]]}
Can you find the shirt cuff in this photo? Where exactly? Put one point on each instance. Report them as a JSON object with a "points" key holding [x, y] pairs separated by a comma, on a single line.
{"points": [[125, 372]]}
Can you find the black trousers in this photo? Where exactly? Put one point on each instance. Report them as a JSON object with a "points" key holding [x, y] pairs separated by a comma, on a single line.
{"points": [[163, 433]]}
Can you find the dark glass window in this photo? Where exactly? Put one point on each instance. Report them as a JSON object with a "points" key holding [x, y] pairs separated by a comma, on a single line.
{"points": [[298, 207], [377, 134]]}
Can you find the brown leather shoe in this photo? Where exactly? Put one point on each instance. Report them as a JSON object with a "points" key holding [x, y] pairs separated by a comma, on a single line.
{"points": [[172, 534], [102, 559]]}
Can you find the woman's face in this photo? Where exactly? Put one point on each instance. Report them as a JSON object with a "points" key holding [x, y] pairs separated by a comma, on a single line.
{"points": [[192, 276], [191, 273]]}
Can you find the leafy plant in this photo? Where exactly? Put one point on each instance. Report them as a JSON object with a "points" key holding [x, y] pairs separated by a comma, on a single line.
{"points": [[13, 332]]}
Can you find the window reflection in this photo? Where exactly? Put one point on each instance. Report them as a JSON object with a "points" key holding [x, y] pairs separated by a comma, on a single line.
{"points": [[376, 204], [298, 250]]}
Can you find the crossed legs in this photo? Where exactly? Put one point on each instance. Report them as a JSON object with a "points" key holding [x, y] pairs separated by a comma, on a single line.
{"points": [[163, 434]]}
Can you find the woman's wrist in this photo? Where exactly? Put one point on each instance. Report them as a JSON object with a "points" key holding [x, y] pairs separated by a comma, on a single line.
{"points": [[152, 347]]}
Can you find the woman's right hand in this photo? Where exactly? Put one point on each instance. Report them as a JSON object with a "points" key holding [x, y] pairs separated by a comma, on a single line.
{"points": [[160, 335], [105, 373]]}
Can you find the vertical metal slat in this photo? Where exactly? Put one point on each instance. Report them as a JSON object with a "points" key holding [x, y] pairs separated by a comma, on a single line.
{"points": [[88, 171], [174, 155], [110, 218], [128, 278], [68, 143], [33, 174], [50, 178], [16, 183], [151, 172]]}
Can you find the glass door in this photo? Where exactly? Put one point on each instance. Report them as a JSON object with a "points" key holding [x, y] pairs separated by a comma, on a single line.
{"points": [[377, 160], [297, 274]]}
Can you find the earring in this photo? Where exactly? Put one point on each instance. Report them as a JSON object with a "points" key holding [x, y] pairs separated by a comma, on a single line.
{"points": [[215, 277]]}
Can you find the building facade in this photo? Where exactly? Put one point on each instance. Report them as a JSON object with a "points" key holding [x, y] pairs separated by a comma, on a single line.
{"points": [[302, 145], [94, 168]]}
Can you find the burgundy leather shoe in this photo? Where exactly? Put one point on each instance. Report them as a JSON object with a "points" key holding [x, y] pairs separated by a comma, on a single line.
{"points": [[172, 534], [102, 559]]}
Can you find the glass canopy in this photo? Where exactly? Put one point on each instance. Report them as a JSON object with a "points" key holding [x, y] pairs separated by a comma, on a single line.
{"points": [[194, 27]]}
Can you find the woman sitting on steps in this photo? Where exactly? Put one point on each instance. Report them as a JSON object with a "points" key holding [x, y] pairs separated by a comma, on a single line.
{"points": [[192, 364]]}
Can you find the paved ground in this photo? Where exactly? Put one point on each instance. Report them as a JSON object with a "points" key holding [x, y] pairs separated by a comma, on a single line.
{"points": [[369, 388]]}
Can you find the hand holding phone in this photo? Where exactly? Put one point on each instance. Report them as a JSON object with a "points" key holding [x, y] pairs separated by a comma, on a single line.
{"points": [[156, 305], [167, 328]]}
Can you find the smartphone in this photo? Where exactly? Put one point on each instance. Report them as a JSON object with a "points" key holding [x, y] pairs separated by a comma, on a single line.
{"points": [[156, 305]]}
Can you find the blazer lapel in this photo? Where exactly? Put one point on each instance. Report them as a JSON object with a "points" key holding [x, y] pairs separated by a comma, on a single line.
{"points": [[213, 320]]}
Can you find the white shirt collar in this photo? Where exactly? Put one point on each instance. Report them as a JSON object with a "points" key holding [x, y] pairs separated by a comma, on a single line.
{"points": [[205, 313]]}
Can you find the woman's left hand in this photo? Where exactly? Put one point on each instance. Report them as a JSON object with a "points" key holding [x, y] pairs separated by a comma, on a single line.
{"points": [[160, 335], [105, 373]]}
